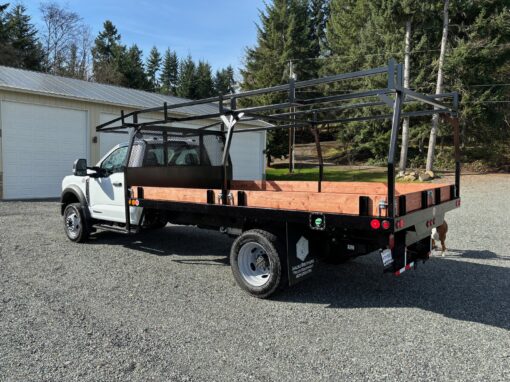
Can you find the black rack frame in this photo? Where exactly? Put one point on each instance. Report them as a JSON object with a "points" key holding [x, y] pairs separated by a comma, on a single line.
{"points": [[303, 112]]}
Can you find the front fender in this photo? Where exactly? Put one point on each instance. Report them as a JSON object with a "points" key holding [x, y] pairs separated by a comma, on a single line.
{"points": [[71, 193]]}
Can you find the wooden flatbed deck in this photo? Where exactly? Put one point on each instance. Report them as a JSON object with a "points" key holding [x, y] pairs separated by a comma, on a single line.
{"points": [[335, 197]]}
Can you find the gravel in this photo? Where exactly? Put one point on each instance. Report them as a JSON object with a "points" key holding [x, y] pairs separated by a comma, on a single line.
{"points": [[164, 306]]}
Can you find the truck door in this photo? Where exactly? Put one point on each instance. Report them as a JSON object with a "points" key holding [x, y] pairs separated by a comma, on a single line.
{"points": [[107, 192]]}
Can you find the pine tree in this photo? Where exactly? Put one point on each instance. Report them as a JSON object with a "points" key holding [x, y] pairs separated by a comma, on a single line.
{"points": [[153, 67], [282, 35], [480, 54], [187, 78], [107, 55], [23, 39], [366, 34], [204, 85], [169, 73], [132, 68], [319, 12], [224, 81], [7, 52]]}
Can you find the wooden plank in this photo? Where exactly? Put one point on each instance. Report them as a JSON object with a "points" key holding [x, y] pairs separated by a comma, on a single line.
{"points": [[189, 195], [313, 202], [285, 200], [309, 186], [376, 188], [295, 196], [445, 193]]}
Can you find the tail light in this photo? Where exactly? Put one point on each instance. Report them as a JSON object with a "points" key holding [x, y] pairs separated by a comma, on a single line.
{"points": [[375, 224], [386, 224]]}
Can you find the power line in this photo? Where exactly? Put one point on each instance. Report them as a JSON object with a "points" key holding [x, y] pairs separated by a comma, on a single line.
{"points": [[335, 57], [485, 85]]}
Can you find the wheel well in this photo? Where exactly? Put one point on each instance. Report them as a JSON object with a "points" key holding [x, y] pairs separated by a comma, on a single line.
{"points": [[68, 198]]}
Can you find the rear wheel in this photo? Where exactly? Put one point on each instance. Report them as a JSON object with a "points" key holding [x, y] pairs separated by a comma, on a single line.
{"points": [[256, 262], [75, 223]]}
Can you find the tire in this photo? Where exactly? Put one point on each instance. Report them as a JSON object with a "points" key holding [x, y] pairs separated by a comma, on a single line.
{"points": [[75, 223], [257, 262]]}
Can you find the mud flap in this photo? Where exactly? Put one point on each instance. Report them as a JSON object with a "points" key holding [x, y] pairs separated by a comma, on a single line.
{"points": [[300, 260]]}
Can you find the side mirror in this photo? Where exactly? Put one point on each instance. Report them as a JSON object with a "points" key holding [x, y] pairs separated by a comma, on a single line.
{"points": [[80, 167]]}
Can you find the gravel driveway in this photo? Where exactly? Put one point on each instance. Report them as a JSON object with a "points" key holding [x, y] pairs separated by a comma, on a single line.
{"points": [[165, 306]]}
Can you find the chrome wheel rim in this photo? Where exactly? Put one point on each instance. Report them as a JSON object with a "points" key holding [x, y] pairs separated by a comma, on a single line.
{"points": [[254, 264], [73, 224]]}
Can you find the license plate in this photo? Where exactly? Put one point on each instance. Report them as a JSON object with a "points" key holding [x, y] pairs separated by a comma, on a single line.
{"points": [[386, 257]]}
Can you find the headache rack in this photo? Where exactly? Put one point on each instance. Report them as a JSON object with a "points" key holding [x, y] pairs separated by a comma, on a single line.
{"points": [[219, 116]]}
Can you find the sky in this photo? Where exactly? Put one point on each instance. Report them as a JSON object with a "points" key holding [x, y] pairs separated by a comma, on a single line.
{"points": [[217, 31]]}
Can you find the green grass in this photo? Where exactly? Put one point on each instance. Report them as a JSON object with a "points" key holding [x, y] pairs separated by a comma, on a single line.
{"points": [[330, 174]]}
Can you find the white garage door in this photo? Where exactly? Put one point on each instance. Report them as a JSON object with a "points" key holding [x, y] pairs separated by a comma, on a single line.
{"points": [[39, 146], [247, 154]]}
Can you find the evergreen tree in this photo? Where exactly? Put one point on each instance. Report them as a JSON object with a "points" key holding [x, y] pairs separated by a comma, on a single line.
{"points": [[7, 52], [132, 68], [204, 85], [282, 35], [153, 67], [480, 55], [366, 34], [23, 39], [319, 12], [107, 55], [224, 81], [187, 76], [169, 73]]}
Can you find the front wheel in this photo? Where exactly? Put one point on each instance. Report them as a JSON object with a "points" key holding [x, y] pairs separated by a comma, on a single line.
{"points": [[75, 224], [256, 262]]}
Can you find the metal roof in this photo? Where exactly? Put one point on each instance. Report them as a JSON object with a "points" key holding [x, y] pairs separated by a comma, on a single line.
{"points": [[56, 86]]}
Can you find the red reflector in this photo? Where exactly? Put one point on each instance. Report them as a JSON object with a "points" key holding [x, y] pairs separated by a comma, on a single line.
{"points": [[386, 224], [375, 224]]}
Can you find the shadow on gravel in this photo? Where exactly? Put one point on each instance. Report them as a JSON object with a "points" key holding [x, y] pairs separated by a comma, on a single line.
{"points": [[445, 285], [177, 241], [481, 255], [456, 289]]}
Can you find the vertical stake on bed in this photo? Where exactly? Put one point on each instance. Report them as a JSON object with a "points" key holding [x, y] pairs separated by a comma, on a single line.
{"points": [[395, 126], [454, 122], [230, 123], [457, 157], [316, 136], [132, 136]]}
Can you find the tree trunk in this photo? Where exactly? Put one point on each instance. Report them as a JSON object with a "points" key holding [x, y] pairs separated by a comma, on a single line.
{"points": [[439, 89], [292, 130], [405, 126]]}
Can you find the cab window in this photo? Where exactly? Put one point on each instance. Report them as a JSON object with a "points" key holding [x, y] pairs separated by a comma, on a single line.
{"points": [[115, 161], [178, 154]]}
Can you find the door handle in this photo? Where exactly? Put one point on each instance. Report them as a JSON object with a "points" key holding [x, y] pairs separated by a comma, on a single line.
{"points": [[117, 184]]}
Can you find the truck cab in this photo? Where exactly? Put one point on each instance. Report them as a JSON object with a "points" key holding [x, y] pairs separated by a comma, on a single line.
{"points": [[99, 191]]}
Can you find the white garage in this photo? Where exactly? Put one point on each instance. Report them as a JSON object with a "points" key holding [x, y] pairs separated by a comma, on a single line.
{"points": [[46, 122]]}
